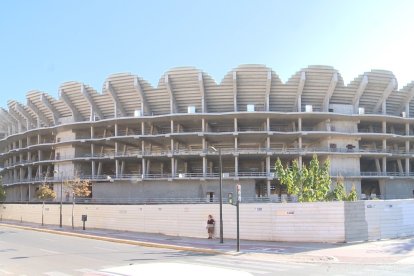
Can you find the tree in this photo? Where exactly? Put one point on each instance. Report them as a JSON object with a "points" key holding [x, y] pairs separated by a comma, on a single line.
{"points": [[309, 184], [353, 195], [338, 193], [2, 191], [79, 188], [45, 193]]}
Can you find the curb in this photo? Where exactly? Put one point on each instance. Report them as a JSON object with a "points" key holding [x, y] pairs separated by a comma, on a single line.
{"points": [[123, 241]]}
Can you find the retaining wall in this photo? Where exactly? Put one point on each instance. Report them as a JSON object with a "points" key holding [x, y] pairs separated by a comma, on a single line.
{"points": [[305, 222]]}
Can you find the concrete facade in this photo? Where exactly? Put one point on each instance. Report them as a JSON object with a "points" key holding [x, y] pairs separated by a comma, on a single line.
{"points": [[135, 139], [301, 222]]}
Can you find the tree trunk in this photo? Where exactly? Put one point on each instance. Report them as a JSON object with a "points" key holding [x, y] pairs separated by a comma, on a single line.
{"points": [[73, 212], [43, 212]]}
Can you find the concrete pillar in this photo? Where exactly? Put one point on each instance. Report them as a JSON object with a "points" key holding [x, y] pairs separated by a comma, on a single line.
{"points": [[235, 125], [203, 125], [236, 165], [299, 124], [173, 167], [268, 124], [268, 188], [29, 172], [116, 161], [143, 171], [268, 165], [407, 159], [204, 166]]}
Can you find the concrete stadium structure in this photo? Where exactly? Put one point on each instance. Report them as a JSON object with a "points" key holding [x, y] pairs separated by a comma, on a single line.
{"points": [[136, 142]]}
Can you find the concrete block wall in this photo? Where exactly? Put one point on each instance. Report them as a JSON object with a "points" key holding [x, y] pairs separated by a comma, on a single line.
{"points": [[304, 222]]}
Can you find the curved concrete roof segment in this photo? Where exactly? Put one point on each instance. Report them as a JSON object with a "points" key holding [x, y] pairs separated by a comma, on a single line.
{"points": [[188, 87]]}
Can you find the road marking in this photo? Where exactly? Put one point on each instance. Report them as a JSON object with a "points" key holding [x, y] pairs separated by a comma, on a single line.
{"points": [[257, 269], [49, 251], [106, 249], [86, 270], [56, 273], [408, 260], [48, 239], [5, 272]]}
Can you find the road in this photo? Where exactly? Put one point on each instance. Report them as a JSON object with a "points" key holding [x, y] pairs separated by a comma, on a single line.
{"points": [[25, 252]]}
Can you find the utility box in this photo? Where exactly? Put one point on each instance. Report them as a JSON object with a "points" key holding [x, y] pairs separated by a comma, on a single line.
{"points": [[84, 219]]}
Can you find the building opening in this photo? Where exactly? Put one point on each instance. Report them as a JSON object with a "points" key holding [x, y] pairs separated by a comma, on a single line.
{"points": [[261, 188], [370, 188], [210, 196]]}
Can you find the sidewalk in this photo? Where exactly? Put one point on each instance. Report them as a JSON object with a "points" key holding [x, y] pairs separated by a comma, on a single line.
{"points": [[379, 252]]}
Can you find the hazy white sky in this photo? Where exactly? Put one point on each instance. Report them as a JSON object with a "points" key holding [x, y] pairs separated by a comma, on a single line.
{"points": [[46, 43]]}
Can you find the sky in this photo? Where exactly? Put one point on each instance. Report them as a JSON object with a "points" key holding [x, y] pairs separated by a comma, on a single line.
{"points": [[46, 43]]}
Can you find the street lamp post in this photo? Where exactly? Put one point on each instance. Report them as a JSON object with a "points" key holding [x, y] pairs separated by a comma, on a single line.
{"points": [[220, 192], [61, 197]]}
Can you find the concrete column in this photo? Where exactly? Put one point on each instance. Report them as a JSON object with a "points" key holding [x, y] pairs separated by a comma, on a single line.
{"points": [[407, 159], [116, 160], [172, 126], [268, 188], [29, 172], [268, 165], [93, 172], [407, 109], [407, 129], [204, 166], [116, 129], [267, 124], [39, 171], [173, 167], [236, 165], [203, 125], [21, 174], [143, 171], [142, 128], [384, 127], [299, 124], [384, 159], [235, 125]]}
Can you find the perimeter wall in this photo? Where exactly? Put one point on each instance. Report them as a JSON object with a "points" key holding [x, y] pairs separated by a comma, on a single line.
{"points": [[306, 222]]}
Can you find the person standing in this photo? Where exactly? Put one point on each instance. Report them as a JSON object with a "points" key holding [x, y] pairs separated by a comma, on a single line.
{"points": [[210, 226]]}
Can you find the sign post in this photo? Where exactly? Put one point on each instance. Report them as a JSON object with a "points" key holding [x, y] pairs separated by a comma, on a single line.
{"points": [[238, 215]]}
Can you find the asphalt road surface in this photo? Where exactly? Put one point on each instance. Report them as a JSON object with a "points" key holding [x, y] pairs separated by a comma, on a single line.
{"points": [[25, 252]]}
